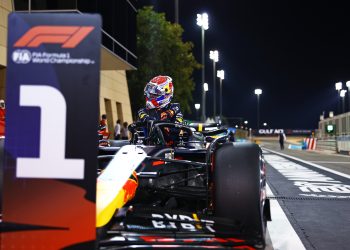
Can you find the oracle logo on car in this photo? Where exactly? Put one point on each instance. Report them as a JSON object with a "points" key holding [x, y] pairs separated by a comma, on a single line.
{"points": [[68, 36]]}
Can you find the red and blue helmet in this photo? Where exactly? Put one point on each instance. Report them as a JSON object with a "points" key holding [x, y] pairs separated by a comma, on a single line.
{"points": [[159, 92]]}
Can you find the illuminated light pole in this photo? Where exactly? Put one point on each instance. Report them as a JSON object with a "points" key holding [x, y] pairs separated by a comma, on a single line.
{"points": [[338, 87], [197, 106], [214, 55], [202, 21], [176, 11], [205, 87], [246, 124], [348, 85], [258, 92], [205, 90], [266, 125], [221, 75], [342, 95]]}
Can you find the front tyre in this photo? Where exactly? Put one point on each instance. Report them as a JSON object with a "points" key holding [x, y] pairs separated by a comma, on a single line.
{"points": [[239, 188]]}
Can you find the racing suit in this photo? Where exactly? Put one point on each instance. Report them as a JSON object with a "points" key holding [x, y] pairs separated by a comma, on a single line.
{"points": [[169, 113]]}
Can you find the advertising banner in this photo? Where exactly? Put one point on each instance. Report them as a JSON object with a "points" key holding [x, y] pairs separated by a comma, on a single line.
{"points": [[273, 132], [52, 103]]}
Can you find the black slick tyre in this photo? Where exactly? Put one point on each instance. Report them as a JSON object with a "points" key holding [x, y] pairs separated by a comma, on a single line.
{"points": [[239, 185]]}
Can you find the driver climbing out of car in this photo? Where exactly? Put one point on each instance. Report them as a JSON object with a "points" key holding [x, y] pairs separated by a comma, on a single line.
{"points": [[159, 92]]}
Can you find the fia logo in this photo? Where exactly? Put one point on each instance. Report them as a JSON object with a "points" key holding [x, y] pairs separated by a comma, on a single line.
{"points": [[21, 56]]}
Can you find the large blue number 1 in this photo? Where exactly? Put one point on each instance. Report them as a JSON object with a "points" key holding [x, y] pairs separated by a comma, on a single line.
{"points": [[51, 162]]}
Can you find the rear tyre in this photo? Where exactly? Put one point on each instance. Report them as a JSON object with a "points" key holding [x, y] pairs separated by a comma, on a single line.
{"points": [[239, 188]]}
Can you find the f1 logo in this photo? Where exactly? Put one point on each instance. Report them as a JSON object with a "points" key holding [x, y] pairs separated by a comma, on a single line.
{"points": [[68, 36]]}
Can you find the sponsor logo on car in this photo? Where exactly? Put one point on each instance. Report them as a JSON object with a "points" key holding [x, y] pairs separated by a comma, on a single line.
{"points": [[167, 220]]}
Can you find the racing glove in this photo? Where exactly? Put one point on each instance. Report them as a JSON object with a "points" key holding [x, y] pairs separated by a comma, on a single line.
{"points": [[179, 120], [166, 115]]}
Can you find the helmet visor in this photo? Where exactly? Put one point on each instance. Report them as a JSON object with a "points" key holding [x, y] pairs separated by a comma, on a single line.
{"points": [[153, 92]]}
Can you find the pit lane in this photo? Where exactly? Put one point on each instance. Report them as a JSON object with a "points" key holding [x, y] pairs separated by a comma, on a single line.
{"points": [[314, 199]]}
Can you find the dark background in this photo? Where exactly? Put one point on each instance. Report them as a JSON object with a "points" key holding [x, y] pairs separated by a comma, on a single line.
{"points": [[295, 51]]}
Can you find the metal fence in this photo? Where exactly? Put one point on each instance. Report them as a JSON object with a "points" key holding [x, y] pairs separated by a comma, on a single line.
{"points": [[340, 138], [341, 123]]}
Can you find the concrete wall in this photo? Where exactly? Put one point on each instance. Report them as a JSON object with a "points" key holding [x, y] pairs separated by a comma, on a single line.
{"points": [[341, 122], [5, 9], [2, 83], [327, 144], [343, 144], [114, 93]]}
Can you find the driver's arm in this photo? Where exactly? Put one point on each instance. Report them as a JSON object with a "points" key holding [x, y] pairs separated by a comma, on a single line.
{"points": [[142, 115], [179, 118], [178, 115], [173, 114]]}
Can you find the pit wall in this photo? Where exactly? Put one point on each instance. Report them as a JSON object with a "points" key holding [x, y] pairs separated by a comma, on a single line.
{"points": [[343, 144]]}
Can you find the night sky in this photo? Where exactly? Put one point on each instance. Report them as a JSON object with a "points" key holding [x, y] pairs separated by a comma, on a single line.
{"points": [[295, 51]]}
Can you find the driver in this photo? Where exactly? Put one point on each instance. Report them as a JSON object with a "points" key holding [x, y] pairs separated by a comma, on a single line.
{"points": [[159, 92]]}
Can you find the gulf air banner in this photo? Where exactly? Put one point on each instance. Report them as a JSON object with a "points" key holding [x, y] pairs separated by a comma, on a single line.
{"points": [[52, 93]]}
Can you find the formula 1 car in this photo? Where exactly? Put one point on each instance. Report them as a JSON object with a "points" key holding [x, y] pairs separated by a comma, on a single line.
{"points": [[173, 185]]}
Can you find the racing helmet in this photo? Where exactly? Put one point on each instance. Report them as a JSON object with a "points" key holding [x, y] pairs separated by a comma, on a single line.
{"points": [[159, 92]]}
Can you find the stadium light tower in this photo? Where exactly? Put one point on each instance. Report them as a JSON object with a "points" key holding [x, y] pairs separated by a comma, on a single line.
{"points": [[197, 106], [205, 87], [342, 95], [338, 87], [348, 85], [221, 75], [258, 92], [202, 21], [214, 55]]}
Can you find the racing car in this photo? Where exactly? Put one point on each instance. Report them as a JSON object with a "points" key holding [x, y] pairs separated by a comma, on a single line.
{"points": [[181, 186]]}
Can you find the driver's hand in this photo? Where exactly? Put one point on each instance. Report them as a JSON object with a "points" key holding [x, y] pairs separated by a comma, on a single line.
{"points": [[163, 116], [166, 115]]}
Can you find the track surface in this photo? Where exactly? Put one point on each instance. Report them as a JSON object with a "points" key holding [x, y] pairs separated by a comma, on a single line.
{"points": [[313, 190]]}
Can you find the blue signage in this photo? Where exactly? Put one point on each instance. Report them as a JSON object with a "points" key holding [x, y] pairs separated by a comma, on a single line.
{"points": [[52, 91]]}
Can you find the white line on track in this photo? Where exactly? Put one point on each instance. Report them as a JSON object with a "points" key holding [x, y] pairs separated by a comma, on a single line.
{"points": [[282, 234], [335, 162], [310, 163]]}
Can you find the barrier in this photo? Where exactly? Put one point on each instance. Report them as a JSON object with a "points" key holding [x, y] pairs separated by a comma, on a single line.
{"points": [[295, 147], [310, 143], [343, 144]]}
